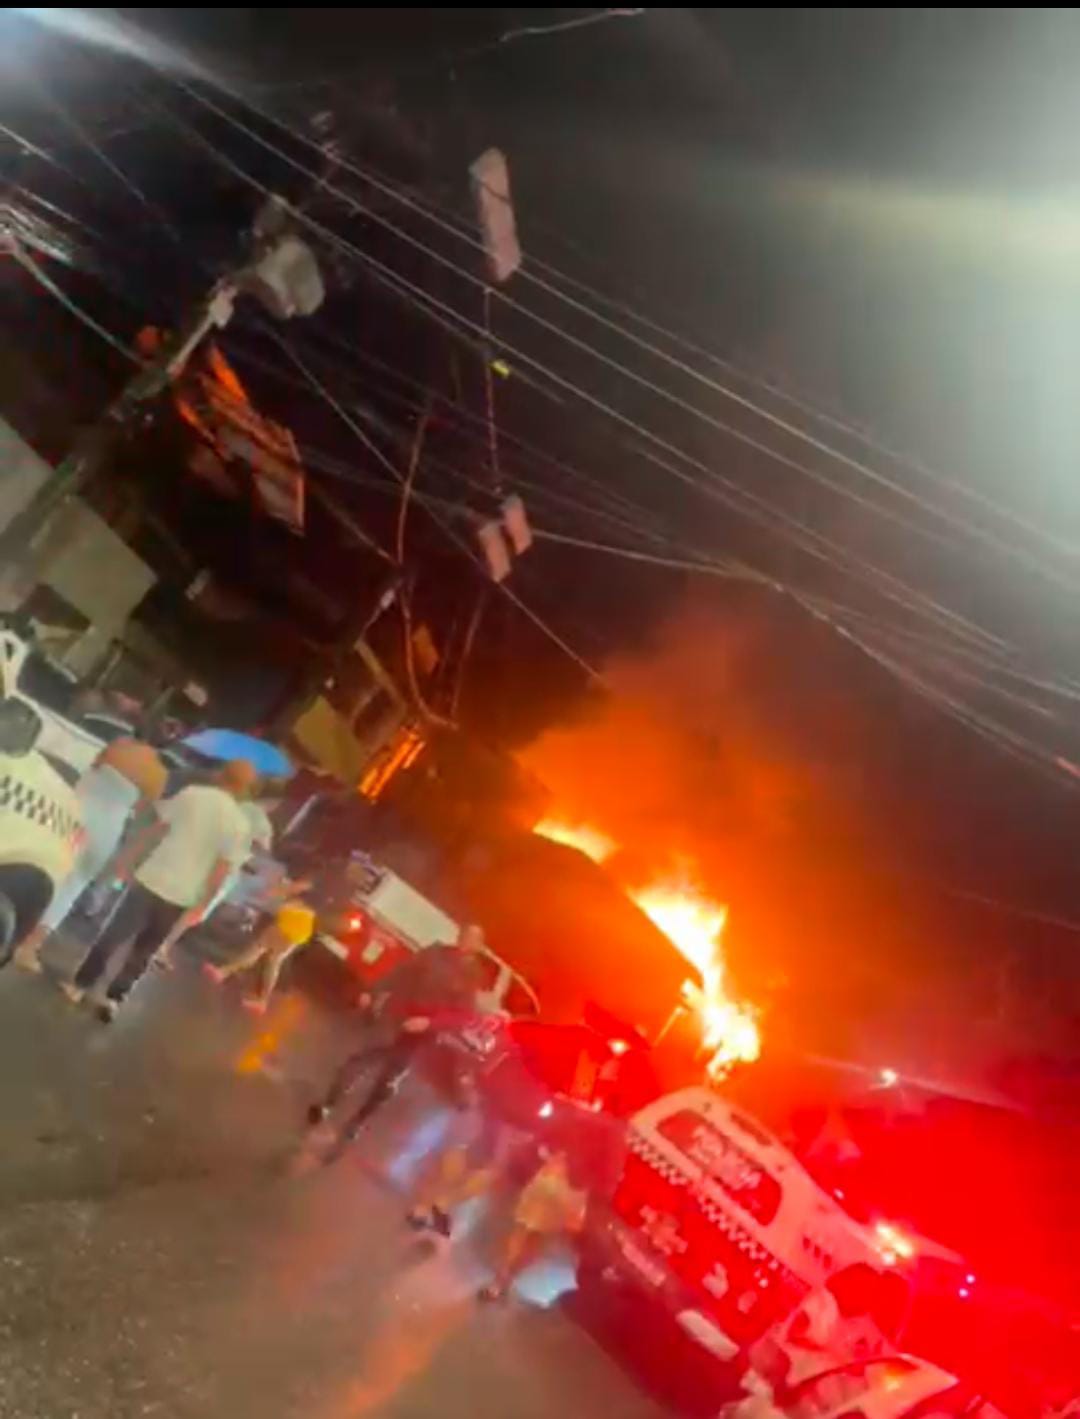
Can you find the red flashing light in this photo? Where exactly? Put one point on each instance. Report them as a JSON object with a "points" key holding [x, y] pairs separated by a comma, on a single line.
{"points": [[355, 923], [618, 1047]]}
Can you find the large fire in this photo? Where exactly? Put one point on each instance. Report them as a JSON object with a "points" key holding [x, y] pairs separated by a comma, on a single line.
{"points": [[689, 919], [694, 923]]}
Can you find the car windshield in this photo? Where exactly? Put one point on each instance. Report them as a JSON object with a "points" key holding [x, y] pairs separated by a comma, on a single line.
{"points": [[46, 683]]}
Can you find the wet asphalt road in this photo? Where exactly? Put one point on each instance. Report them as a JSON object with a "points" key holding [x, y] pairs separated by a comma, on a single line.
{"points": [[161, 1255]]}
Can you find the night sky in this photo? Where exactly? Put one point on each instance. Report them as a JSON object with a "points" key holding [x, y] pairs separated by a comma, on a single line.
{"points": [[873, 209]]}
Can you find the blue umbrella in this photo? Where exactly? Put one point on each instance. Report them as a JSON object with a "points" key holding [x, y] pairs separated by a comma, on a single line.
{"points": [[266, 759]]}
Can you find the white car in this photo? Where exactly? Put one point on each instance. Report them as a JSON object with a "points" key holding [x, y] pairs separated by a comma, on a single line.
{"points": [[893, 1387], [40, 822], [32, 679]]}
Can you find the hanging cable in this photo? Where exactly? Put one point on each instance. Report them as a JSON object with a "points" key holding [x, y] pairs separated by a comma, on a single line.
{"points": [[997, 734], [854, 464], [772, 388], [991, 729], [430, 299], [84, 136], [621, 508], [644, 382], [541, 491], [373, 448], [10, 243], [965, 710]]}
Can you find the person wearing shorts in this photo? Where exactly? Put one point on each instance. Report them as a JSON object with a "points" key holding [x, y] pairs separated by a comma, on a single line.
{"points": [[551, 1205], [290, 927]]}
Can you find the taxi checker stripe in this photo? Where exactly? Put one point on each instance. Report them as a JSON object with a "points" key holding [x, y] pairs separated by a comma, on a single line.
{"points": [[657, 1161], [30, 803], [727, 1224], [742, 1239]]}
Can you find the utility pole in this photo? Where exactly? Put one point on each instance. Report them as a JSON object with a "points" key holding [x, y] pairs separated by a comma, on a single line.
{"points": [[283, 274]]}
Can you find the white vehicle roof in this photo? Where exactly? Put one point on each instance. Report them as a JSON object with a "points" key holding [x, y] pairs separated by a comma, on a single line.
{"points": [[809, 1232]]}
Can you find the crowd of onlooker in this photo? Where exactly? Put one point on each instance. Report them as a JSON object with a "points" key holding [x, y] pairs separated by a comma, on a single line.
{"points": [[176, 857]]}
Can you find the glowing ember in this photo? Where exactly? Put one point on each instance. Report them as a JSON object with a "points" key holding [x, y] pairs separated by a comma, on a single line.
{"points": [[590, 841]]}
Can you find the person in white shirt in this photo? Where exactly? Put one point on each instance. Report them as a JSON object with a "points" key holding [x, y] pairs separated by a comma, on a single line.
{"points": [[201, 836], [125, 774], [260, 839]]}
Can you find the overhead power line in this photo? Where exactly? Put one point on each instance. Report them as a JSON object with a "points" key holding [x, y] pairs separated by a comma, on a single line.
{"points": [[373, 448], [609, 511], [79, 130], [770, 387], [1004, 738], [720, 425], [989, 729], [1000, 736], [897, 489], [834, 617], [678, 556], [15, 249], [738, 498], [373, 263]]}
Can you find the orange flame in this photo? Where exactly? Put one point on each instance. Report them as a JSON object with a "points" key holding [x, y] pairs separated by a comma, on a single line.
{"points": [[588, 840], [694, 923], [690, 920]]}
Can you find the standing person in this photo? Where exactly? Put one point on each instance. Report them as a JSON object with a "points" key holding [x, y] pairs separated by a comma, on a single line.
{"points": [[552, 1204], [200, 836], [579, 1160], [291, 927], [260, 837], [435, 982], [125, 774]]}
